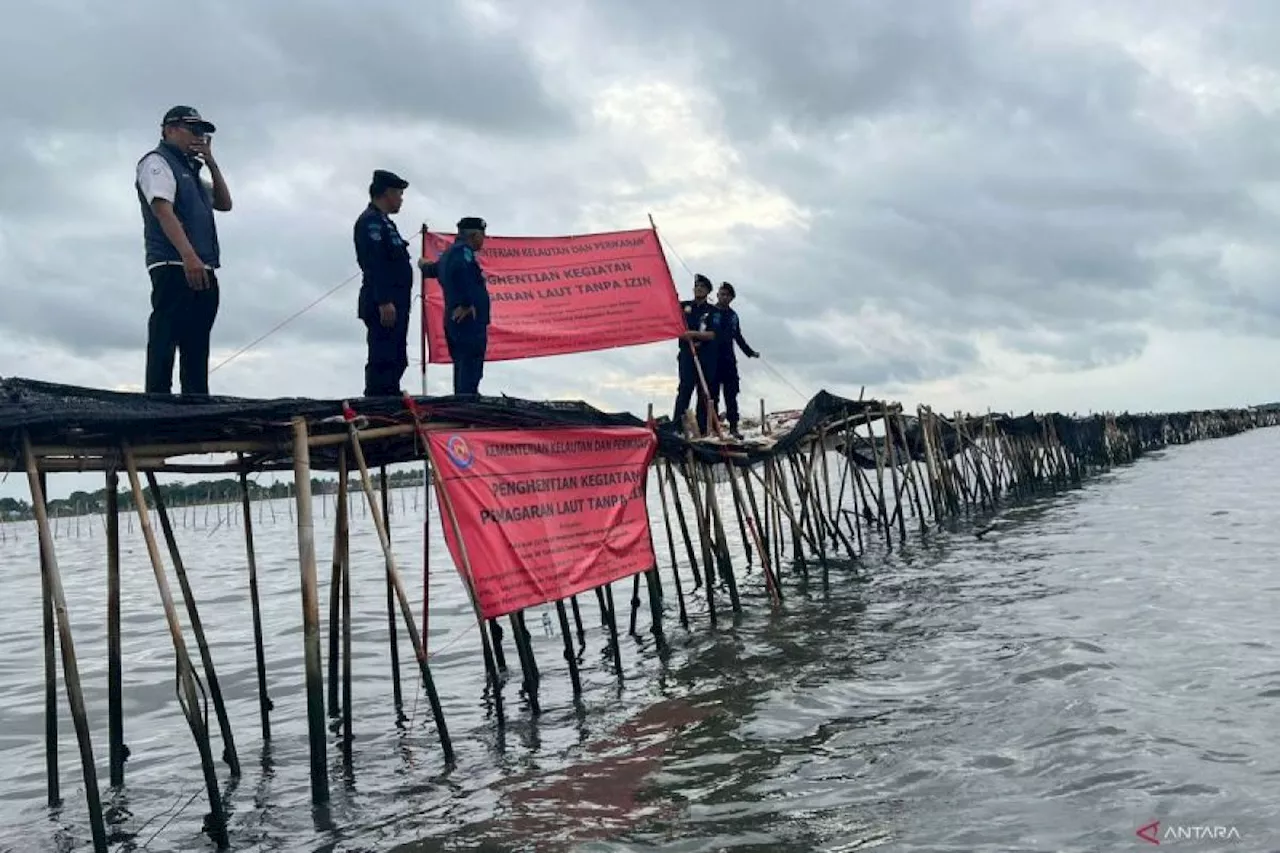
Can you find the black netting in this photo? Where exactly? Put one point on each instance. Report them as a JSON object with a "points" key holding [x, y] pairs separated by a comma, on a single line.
{"points": [[65, 415]]}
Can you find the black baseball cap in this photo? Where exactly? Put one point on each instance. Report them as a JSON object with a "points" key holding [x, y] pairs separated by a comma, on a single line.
{"points": [[189, 116]]}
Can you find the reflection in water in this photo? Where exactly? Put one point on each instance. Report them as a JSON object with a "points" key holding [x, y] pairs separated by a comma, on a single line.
{"points": [[1092, 663]]}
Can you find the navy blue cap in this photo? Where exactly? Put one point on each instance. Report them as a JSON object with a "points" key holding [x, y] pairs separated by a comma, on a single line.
{"points": [[384, 180], [472, 223], [188, 116]]}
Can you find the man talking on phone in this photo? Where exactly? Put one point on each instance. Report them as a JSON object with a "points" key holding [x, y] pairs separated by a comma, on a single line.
{"points": [[180, 238]]}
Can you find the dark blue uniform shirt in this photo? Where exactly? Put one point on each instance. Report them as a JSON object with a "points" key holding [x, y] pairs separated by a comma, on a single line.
{"points": [[384, 260], [732, 334], [701, 318], [463, 282]]}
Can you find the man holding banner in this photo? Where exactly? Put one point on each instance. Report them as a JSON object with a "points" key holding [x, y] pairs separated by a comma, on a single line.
{"points": [[466, 305], [699, 356]]}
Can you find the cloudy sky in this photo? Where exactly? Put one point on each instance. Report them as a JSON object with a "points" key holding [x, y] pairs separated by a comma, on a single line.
{"points": [[1016, 205]]}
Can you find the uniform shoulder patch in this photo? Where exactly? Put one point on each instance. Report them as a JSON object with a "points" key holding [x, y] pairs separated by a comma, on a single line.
{"points": [[467, 254]]}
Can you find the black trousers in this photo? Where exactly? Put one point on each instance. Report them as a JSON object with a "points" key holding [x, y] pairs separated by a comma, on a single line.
{"points": [[181, 324], [689, 387], [467, 350], [387, 357], [728, 383]]}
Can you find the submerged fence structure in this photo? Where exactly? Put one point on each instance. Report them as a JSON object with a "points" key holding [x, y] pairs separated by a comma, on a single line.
{"points": [[844, 478]]}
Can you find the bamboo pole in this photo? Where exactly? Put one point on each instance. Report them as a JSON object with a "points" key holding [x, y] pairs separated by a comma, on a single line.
{"points": [[189, 698], [117, 751], [70, 667], [310, 613], [50, 628], [446, 744], [392, 635], [260, 658], [197, 629]]}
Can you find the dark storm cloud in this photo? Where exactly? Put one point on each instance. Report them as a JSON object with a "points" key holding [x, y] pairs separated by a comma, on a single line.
{"points": [[89, 66], [973, 172]]}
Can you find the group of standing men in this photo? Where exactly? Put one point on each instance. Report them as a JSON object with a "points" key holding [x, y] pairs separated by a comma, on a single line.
{"points": [[180, 238], [707, 359]]}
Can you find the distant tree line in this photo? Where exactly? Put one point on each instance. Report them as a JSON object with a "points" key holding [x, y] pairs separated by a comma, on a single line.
{"points": [[193, 494]]}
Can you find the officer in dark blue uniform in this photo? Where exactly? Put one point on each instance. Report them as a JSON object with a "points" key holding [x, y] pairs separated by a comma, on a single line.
{"points": [[702, 324], [727, 364], [386, 288], [466, 305]]}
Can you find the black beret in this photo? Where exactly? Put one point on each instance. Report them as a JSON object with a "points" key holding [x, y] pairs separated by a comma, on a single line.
{"points": [[384, 180], [471, 223]]}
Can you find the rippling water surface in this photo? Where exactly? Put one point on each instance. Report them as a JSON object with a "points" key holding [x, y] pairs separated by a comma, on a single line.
{"points": [[1099, 660]]}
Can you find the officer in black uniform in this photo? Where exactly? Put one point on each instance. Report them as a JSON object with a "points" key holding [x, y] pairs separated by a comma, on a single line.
{"points": [[702, 324], [466, 305], [386, 287], [727, 365]]}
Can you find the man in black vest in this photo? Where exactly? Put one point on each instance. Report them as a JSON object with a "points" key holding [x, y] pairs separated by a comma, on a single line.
{"points": [[182, 254], [386, 287]]}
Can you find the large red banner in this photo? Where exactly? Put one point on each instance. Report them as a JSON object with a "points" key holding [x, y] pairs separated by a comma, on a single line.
{"points": [[544, 513], [556, 295]]}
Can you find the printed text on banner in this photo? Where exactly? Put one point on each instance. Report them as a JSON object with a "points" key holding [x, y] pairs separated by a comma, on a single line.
{"points": [[544, 513], [557, 295]]}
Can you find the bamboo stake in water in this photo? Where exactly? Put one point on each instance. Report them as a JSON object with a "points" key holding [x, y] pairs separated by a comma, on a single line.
{"points": [[197, 629], [260, 658], [310, 612], [393, 574], [117, 752], [70, 667], [187, 693], [392, 637], [50, 667]]}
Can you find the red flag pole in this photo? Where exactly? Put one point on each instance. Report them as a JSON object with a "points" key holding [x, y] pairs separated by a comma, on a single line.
{"points": [[713, 417], [426, 463]]}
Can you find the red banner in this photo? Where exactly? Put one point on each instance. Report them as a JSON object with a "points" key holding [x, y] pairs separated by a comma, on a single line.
{"points": [[557, 295], [544, 513]]}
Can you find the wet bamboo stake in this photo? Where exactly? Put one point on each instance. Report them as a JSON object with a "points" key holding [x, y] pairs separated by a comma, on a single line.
{"points": [[753, 523], [528, 666], [50, 660], [491, 654], [729, 577], [189, 698], [891, 453], [229, 754], [569, 657], [405, 609], [671, 545], [684, 525], [335, 613], [635, 603], [117, 753], [707, 559], [264, 700], [579, 631], [392, 638], [342, 520], [70, 667], [612, 621], [787, 508], [310, 612]]}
